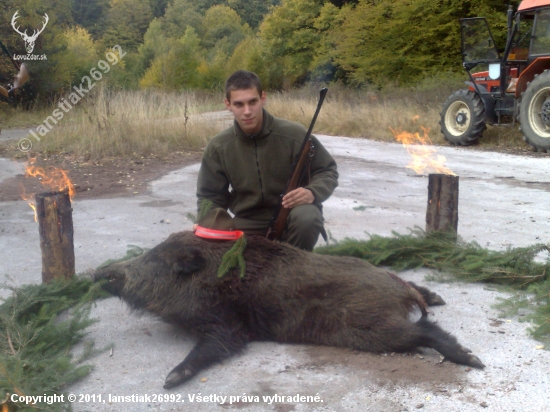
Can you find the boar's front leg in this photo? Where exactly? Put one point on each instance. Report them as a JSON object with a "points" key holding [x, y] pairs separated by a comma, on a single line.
{"points": [[216, 344]]}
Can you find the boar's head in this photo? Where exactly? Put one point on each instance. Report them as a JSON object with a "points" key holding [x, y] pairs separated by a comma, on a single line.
{"points": [[144, 280]]}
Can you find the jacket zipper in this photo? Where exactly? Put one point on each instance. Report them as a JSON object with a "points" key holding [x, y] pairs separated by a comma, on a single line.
{"points": [[258, 170]]}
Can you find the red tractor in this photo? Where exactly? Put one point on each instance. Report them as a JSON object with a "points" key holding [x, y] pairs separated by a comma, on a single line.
{"points": [[512, 87]]}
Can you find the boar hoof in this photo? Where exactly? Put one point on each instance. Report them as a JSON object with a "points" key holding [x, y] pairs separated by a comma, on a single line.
{"points": [[175, 378], [475, 362], [431, 298]]}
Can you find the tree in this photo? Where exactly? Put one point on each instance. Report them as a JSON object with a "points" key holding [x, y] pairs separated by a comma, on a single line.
{"points": [[127, 22], [248, 55], [402, 42], [90, 14], [177, 68], [292, 36], [223, 29], [47, 76], [179, 15], [80, 55]]}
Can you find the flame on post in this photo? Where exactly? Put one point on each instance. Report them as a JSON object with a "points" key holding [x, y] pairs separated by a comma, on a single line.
{"points": [[30, 200], [54, 179], [424, 155]]}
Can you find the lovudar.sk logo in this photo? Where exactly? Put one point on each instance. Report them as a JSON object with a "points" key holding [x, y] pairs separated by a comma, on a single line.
{"points": [[29, 40]]}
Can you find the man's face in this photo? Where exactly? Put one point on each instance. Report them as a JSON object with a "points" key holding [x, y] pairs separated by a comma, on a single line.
{"points": [[246, 105]]}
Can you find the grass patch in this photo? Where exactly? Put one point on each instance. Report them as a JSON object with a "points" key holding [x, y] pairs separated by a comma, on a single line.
{"points": [[11, 117], [111, 122], [134, 123], [371, 113], [35, 341], [515, 268]]}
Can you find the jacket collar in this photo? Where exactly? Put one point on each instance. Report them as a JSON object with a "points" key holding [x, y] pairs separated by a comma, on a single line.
{"points": [[267, 124]]}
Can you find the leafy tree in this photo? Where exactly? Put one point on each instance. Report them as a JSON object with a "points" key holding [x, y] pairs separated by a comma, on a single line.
{"points": [[223, 29], [402, 42], [159, 7], [179, 15], [47, 77], [90, 14], [248, 55], [213, 71], [80, 55], [292, 36], [155, 43], [127, 22], [178, 67], [250, 11]]}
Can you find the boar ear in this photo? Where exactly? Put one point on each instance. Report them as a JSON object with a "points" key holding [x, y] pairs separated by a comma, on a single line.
{"points": [[189, 261]]}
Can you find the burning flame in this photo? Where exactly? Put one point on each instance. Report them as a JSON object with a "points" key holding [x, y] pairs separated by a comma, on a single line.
{"points": [[30, 201], [424, 155], [54, 179]]}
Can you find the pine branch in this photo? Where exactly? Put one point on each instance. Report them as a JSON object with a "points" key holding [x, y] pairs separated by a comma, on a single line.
{"points": [[35, 346], [234, 257]]}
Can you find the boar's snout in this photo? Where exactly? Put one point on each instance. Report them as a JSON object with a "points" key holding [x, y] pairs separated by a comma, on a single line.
{"points": [[113, 278]]}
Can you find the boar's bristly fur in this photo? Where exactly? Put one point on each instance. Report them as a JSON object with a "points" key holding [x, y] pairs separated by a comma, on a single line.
{"points": [[287, 295]]}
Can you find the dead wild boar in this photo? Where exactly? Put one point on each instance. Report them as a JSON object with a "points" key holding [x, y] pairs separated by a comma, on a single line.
{"points": [[287, 295]]}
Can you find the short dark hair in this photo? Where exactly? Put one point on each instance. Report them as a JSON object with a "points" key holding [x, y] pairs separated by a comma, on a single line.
{"points": [[242, 80]]}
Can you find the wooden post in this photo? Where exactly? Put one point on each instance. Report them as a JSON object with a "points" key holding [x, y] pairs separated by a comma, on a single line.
{"points": [[55, 225], [442, 212]]}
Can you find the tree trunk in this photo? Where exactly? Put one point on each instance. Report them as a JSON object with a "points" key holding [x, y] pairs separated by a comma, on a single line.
{"points": [[442, 211], [55, 226]]}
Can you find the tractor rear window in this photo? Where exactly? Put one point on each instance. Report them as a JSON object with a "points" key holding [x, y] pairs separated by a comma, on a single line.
{"points": [[477, 42], [541, 41]]}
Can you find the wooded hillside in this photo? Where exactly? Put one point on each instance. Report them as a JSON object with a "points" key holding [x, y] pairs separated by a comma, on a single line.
{"points": [[184, 44]]}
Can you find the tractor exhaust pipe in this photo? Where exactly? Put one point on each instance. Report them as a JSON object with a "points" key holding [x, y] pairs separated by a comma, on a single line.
{"points": [[509, 20]]}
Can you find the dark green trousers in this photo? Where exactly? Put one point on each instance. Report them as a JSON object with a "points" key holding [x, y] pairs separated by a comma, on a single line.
{"points": [[305, 223]]}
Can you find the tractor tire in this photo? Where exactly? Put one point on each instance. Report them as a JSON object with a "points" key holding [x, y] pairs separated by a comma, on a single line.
{"points": [[534, 112], [463, 118]]}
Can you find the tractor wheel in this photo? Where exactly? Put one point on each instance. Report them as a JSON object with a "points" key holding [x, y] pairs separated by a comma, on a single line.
{"points": [[534, 112], [463, 118]]}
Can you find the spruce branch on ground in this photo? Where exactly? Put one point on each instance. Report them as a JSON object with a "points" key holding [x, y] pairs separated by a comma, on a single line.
{"points": [[35, 342]]}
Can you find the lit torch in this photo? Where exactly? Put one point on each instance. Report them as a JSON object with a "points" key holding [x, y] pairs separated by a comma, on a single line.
{"points": [[424, 155], [53, 212], [442, 211], [54, 179]]}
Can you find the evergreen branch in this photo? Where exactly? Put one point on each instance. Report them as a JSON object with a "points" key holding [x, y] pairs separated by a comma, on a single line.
{"points": [[9, 343], [234, 257], [35, 352]]}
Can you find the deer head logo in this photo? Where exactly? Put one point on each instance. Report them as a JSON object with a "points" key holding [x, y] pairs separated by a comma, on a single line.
{"points": [[29, 40]]}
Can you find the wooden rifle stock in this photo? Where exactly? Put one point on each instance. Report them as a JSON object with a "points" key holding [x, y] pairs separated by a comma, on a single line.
{"points": [[300, 169]]}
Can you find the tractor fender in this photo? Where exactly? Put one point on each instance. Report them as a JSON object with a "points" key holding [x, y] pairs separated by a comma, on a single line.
{"points": [[476, 88], [488, 102], [537, 67]]}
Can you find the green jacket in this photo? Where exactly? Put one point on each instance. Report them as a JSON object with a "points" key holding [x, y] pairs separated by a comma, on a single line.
{"points": [[248, 174]]}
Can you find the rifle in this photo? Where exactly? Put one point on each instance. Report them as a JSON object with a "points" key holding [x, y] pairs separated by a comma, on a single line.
{"points": [[300, 170]]}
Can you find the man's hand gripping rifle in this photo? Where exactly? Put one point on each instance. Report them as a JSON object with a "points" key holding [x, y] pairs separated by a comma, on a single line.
{"points": [[299, 177]]}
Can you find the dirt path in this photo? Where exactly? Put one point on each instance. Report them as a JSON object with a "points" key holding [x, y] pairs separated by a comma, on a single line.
{"points": [[111, 177]]}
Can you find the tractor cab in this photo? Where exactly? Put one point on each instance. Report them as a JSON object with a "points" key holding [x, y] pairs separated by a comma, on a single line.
{"points": [[508, 87]]}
